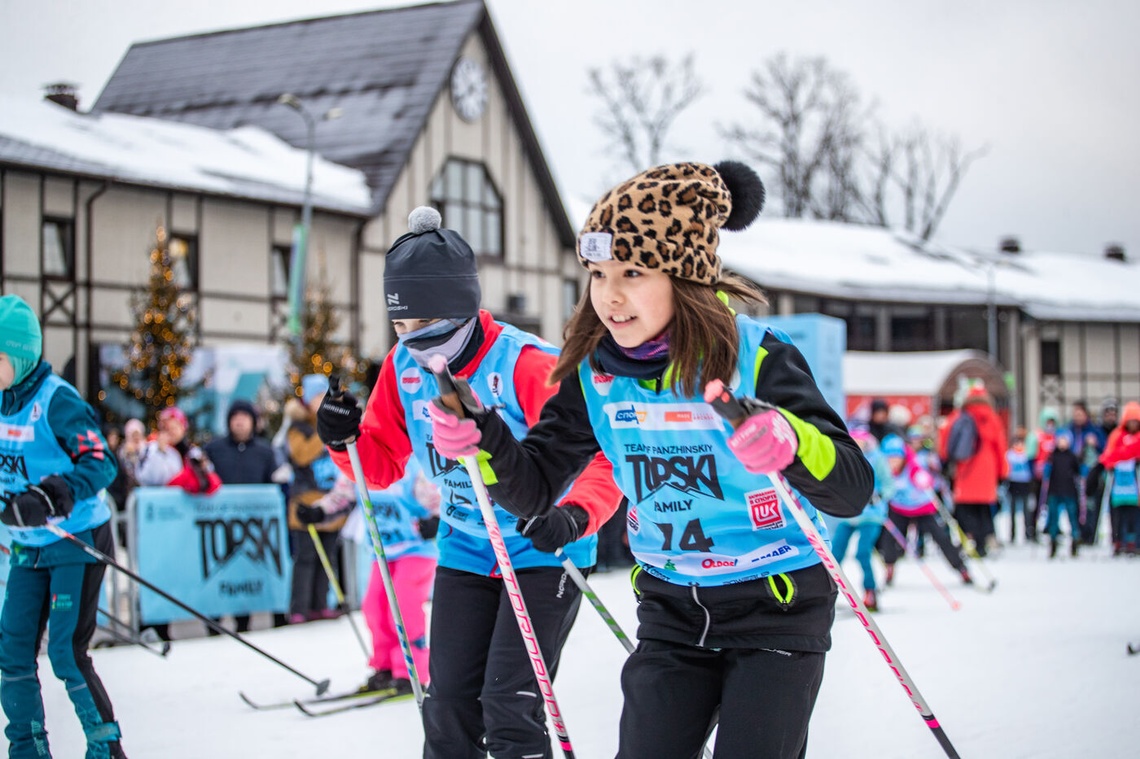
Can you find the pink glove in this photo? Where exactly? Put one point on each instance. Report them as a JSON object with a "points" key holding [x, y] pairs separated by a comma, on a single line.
{"points": [[453, 437], [922, 479], [765, 443]]}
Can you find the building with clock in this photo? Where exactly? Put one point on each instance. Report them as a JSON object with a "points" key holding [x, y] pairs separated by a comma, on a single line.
{"points": [[417, 104]]}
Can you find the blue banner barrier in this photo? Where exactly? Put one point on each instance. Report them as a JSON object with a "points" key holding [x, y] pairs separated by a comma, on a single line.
{"points": [[226, 553]]}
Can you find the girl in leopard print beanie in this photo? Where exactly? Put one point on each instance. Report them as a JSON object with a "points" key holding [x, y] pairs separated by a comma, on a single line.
{"points": [[735, 606]]}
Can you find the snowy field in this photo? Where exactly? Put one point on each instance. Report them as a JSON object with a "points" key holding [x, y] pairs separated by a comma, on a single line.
{"points": [[1036, 669]]}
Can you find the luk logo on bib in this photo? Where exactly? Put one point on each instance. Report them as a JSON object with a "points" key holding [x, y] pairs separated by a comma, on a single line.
{"points": [[764, 510], [411, 381]]}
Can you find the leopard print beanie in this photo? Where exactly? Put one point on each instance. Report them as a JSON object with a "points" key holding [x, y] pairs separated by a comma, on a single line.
{"points": [[669, 218]]}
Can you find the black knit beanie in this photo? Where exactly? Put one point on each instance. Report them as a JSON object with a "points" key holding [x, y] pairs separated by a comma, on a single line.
{"points": [[430, 272]]}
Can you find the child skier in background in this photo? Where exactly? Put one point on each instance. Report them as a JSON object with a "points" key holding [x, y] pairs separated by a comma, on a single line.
{"points": [[912, 502], [1019, 487], [1120, 456], [1062, 474], [867, 525], [735, 607], [58, 465], [483, 697], [406, 514]]}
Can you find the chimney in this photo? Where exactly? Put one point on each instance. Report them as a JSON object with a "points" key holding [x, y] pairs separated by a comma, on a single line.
{"points": [[1009, 245], [64, 94], [1115, 251]]}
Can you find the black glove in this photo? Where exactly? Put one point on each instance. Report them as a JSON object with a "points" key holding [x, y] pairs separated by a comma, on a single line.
{"points": [[310, 514], [555, 528], [429, 527], [338, 420], [32, 508]]}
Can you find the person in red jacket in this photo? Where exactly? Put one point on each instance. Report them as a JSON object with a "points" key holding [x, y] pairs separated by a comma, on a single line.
{"points": [[976, 478]]}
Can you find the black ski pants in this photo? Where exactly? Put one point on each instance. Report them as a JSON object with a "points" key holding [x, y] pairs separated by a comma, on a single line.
{"points": [[891, 550], [483, 696], [672, 693]]}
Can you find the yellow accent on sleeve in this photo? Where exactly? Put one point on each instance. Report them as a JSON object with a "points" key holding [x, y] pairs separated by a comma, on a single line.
{"points": [[816, 450], [484, 460]]}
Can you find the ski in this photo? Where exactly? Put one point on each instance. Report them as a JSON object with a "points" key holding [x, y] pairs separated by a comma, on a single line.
{"points": [[331, 699], [340, 708]]}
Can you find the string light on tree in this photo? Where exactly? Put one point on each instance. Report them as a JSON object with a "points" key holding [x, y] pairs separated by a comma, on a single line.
{"points": [[162, 342]]}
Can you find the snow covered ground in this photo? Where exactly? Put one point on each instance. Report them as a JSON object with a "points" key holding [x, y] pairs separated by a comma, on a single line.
{"points": [[1036, 669]]}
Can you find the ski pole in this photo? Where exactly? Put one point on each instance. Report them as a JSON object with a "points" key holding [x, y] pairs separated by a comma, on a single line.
{"points": [[140, 639], [327, 565], [381, 558], [98, 555], [735, 411], [898, 536], [580, 580], [966, 542], [449, 394], [137, 641]]}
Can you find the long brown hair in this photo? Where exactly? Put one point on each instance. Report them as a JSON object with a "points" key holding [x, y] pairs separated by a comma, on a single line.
{"points": [[702, 336]]}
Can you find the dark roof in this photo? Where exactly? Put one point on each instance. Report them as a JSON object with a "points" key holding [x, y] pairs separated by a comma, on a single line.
{"points": [[383, 68]]}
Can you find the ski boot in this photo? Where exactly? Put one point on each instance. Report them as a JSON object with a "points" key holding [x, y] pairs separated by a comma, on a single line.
{"points": [[401, 686], [870, 601], [890, 579], [1052, 548], [965, 574], [379, 680], [1075, 547]]}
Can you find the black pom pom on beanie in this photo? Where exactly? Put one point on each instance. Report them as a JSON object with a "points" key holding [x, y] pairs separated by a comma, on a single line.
{"points": [[430, 272], [747, 193]]}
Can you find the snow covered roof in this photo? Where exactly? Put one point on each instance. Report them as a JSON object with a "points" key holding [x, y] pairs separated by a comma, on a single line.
{"points": [[917, 373], [873, 263], [383, 68], [246, 162]]}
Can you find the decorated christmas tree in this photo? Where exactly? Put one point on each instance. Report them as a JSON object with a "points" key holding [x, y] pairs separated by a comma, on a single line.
{"points": [[162, 342], [317, 351]]}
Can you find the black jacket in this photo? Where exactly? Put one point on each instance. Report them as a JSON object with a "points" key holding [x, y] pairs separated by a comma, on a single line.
{"points": [[742, 615], [248, 463], [536, 470]]}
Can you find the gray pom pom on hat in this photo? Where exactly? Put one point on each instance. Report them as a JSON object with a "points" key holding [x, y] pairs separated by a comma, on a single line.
{"points": [[424, 219]]}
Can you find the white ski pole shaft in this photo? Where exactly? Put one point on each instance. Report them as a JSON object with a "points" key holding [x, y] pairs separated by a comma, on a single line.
{"points": [[734, 411], [450, 397]]}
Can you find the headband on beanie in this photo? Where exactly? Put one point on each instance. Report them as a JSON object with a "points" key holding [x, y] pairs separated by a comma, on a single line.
{"points": [[430, 273], [20, 336], [669, 218]]}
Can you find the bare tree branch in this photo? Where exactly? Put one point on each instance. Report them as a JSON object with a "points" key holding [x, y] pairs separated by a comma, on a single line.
{"points": [[641, 99], [808, 131]]}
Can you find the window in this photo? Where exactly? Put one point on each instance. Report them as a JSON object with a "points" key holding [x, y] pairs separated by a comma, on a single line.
{"points": [[58, 248], [279, 276], [967, 328], [912, 328], [1050, 357], [184, 260], [471, 205], [570, 295]]}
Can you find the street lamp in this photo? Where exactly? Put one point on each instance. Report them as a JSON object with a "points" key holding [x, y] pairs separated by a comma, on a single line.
{"points": [[301, 237]]}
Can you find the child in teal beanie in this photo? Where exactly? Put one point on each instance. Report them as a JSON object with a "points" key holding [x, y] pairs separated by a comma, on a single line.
{"points": [[54, 465]]}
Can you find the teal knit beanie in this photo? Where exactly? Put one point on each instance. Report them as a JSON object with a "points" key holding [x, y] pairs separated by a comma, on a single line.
{"points": [[20, 335]]}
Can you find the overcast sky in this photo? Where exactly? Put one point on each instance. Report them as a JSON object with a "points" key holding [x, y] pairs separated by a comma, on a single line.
{"points": [[1049, 86]]}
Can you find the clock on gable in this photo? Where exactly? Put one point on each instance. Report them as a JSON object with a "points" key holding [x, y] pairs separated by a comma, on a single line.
{"points": [[468, 89]]}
